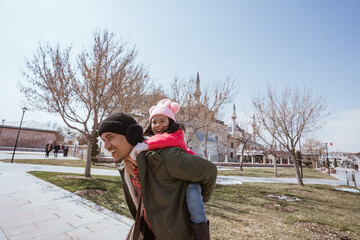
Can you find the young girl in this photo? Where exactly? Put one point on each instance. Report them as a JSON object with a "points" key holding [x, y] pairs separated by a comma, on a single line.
{"points": [[163, 132]]}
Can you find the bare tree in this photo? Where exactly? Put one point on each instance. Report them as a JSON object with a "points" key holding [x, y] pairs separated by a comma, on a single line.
{"points": [[199, 111], [245, 141], [313, 147], [271, 149], [141, 112], [288, 116], [84, 90]]}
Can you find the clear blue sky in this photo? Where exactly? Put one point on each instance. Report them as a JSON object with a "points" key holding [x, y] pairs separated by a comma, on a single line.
{"points": [[306, 43]]}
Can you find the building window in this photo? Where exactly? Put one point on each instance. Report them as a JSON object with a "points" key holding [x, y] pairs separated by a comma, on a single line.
{"points": [[231, 156], [232, 145]]}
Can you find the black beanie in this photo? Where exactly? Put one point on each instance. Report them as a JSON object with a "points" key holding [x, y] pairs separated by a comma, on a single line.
{"points": [[123, 124]]}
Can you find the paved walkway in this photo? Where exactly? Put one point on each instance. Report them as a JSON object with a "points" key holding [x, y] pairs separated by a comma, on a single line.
{"points": [[31, 208], [32, 155]]}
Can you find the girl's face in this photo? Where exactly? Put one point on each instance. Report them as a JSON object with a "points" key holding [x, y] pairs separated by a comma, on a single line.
{"points": [[159, 124]]}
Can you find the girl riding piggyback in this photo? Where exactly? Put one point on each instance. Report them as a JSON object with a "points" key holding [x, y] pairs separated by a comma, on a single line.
{"points": [[163, 132]]}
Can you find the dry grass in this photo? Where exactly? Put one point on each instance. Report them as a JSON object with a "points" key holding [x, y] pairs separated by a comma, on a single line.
{"points": [[308, 173], [247, 212]]}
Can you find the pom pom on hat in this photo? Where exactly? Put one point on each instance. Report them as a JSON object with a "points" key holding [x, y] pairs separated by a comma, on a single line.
{"points": [[165, 107]]}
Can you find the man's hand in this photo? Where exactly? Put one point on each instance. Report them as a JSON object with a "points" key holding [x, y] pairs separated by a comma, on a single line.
{"points": [[138, 148]]}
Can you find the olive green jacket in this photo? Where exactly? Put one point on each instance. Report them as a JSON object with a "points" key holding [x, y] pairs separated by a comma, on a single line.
{"points": [[164, 175]]}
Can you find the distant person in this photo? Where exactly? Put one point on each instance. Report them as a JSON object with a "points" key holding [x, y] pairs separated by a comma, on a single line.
{"points": [[66, 150], [48, 149], [56, 150]]}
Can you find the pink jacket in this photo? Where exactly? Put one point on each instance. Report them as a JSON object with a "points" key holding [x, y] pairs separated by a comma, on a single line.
{"points": [[165, 140]]}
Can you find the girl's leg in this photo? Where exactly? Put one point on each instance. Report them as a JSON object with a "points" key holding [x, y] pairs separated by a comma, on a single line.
{"points": [[195, 203]]}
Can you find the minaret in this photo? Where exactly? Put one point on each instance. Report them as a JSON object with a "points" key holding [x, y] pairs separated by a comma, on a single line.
{"points": [[233, 121], [197, 92]]}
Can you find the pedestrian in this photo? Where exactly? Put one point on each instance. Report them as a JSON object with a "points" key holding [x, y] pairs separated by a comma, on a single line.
{"points": [[48, 149], [66, 150], [56, 150], [155, 189], [163, 131]]}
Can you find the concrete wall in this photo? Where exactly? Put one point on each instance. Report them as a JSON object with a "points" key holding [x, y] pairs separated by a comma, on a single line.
{"points": [[80, 151]]}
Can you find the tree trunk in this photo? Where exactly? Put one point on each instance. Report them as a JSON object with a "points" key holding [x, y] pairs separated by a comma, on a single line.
{"points": [[205, 142], [313, 160], [242, 159], [275, 167], [88, 158], [297, 171], [205, 153]]}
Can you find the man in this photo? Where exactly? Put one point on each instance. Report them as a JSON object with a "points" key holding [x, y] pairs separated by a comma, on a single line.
{"points": [[155, 189], [48, 149], [65, 150]]}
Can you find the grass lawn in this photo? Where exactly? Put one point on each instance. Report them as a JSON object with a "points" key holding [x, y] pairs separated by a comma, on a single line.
{"points": [[247, 172], [282, 173], [249, 210]]}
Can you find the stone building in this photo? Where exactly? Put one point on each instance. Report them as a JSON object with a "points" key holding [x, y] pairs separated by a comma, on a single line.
{"points": [[32, 135]]}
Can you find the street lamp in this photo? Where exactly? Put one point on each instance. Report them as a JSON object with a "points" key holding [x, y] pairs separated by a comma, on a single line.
{"points": [[327, 158], [22, 117], [2, 121]]}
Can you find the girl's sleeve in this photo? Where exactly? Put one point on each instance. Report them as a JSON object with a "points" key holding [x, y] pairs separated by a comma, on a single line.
{"points": [[189, 151], [165, 140]]}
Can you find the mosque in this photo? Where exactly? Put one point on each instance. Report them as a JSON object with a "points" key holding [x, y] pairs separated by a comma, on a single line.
{"points": [[224, 143]]}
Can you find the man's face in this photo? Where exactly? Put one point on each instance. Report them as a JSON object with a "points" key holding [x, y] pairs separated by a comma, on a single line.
{"points": [[117, 145]]}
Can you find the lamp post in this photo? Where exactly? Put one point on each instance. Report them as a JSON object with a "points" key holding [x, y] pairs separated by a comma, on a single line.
{"points": [[327, 158], [320, 158], [2, 124], [17, 137]]}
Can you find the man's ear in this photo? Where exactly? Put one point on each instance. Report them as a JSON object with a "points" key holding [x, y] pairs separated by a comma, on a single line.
{"points": [[134, 134]]}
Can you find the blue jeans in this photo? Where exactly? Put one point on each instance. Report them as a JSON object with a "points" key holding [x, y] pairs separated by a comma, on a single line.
{"points": [[195, 203]]}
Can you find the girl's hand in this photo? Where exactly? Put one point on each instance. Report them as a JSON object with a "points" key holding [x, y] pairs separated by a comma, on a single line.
{"points": [[138, 148], [128, 167]]}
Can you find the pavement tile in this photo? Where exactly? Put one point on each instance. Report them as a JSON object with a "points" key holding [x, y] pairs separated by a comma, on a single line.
{"points": [[105, 234], [77, 221], [51, 226], [19, 230], [79, 232], [13, 203], [90, 216], [11, 220], [102, 225], [62, 236], [23, 236]]}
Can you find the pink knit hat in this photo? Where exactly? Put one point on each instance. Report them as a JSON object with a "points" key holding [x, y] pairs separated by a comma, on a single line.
{"points": [[165, 107]]}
